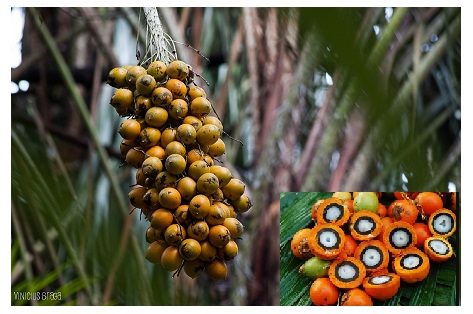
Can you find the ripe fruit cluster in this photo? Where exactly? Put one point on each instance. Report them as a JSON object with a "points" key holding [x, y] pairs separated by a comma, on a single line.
{"points": [[359, 250], [172, 139]]}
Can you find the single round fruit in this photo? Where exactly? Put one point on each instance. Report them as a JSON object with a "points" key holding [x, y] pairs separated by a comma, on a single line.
{"points": [[422, 232], [168, 136], [399, 236], [132, 75], [442, 222], [242, 204], [219, 236], [135, 196], [151, 198], [177, 69], [151, 235], [178, 109], [142, 105], [366, 201], [300, 244], [235, 227], [161, 218], [356, 297], [412, 265], [156, 117], [208, 251], [187, 187], [326, 241], [365, 225], [154, 252], [194, 268], [217, 149], [158, 70], [405, 195], [223, 174], [428, 202], [217, 214], [151, 167], [126, 145], [382, 210], [208, 134], [169, 198], [216, 269], [373, 254], [200, 107], [145, 84], [165, 179], [135, 157], [333, 210], [315, 267], [174, 234], [175, 147], [234, 189], [177, 88], [117, 77], [175, 164], [197, 169], [182, 215], [199, 206], [171, 260], [189, 249], [403, 210], [207, 183], [382, 286], [196, 91], [438, 249], [347, 273], [228, 251], [198, 230], [323, 292], [192, 120], [161, 97], [350, 246], [149, 137], [129, 129], [186, 134], [156, 151]]}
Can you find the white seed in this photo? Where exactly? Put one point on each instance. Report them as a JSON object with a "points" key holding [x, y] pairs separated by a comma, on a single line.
{"points": [[346, 271], [371, 257], [328, 238]]}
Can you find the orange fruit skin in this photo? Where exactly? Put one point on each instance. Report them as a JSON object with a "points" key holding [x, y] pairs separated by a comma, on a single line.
{"points": [[429, 202], [323, 292], [403, 210], [410, 195], [385, 291], [434, 256], [356, 297], [314, 208], [350, 245], [299, 236], [385, 221], [423, 232], [417, 274], [349, 204], [382, 210]]}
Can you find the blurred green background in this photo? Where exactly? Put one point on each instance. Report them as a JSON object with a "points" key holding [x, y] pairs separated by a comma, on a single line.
{"points": [[323, 99]]}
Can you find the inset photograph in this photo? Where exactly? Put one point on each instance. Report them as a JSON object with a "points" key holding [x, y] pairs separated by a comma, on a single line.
{"points": [[370, 248]]}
